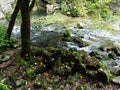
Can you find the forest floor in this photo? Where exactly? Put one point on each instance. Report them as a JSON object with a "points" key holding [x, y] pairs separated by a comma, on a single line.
{"points": [[17, 76]]}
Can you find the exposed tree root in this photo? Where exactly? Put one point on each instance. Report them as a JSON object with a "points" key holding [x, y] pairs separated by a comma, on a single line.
{"points": [[6, 64]]}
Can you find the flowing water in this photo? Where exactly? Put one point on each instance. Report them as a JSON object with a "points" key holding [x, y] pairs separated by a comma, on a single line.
{"points": [[52, 36]]}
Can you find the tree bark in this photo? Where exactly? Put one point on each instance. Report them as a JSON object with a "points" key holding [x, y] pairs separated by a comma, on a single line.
{"points": [[12, 20], [32, 5], [25, 29], [14, 16]]}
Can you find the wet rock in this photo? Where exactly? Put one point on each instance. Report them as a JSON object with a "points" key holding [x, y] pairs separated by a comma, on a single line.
{"points": [[105, 48], [80, 25], [80, 42], [112, 55], [115, 71], [116, 80], [102, 48], [67, 39], [116, 50], [104, 75], [67, 33], [96, 54], [114, 63]]}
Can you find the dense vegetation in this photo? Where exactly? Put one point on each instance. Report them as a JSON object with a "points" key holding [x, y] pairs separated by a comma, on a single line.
{"points": [[99, 8]]}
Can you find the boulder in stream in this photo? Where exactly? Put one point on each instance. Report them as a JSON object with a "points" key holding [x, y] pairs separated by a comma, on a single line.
{"points": [[116, 50]]}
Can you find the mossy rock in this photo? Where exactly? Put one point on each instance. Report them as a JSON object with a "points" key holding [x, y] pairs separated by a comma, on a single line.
{"points": [[65, 62], [80, 42], [105, 48], [43, 53], [79, 26], [74, 56], [96, 54], [91, 63], [63, 70], [67, 39], [67, 33], [56, 63], [112, 55], [104, 75], [59, 53], [116, 50]]}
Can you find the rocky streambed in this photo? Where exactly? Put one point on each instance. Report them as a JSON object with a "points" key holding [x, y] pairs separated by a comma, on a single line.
{"points": [[104, 45]]}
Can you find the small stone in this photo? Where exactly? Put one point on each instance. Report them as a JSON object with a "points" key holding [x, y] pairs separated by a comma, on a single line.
{"points": [[80, 25], [18, 82], [116, 80]]}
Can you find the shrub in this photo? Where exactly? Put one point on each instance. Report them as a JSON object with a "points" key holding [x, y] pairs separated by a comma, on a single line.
{"points": [[3, 42], [76, 8]]}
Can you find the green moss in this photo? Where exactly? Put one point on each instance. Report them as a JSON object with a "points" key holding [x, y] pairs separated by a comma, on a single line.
{"points": [[38, 22], [116, 50], [79, 26], [65, 62], [112, 55], [3, 87], [80, 42], [104, 75], [96, 54], [67, 33]]}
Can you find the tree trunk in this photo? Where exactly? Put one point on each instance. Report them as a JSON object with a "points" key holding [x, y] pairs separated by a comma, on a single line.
{"points": [[25, 29], [32, 5], [13, 17]]}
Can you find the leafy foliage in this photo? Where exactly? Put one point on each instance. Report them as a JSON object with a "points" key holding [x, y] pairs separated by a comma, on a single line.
{"points": [[75, 8], [3, 87], [3, 42]]}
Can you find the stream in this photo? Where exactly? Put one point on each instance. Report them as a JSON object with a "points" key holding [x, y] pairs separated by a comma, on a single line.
{"points": [[52, 36]]}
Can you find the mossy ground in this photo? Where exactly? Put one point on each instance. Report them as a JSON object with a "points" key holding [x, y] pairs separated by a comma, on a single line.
{"points": [[55, 68]]}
